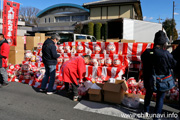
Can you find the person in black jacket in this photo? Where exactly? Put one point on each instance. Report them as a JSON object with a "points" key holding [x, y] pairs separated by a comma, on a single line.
{"points": [[161, 61], [176, 56], [49, 56]]}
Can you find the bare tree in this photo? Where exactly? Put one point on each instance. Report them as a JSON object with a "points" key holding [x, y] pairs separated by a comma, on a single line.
{"points": [[28, 14]]}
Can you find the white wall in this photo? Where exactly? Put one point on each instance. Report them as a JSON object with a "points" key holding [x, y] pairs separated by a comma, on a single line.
{"points": [[128, 29], [143, 31]]}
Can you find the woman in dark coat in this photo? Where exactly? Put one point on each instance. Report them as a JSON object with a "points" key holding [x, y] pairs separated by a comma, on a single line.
{"points": [[161, 61]]}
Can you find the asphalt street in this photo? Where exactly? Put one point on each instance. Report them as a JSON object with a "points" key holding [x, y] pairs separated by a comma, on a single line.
{"points": [[22, 102]]}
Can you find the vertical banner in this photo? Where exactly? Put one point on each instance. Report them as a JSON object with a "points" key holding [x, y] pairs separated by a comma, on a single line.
{"points": [[10, 21]]}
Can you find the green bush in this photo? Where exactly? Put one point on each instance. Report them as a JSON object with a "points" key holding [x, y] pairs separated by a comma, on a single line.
{"points": [[78, 28], [98, 31], [90, 28], [105, 31]]}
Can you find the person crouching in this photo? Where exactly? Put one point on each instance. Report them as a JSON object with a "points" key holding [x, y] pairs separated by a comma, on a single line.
{"points": [[75, 69]]}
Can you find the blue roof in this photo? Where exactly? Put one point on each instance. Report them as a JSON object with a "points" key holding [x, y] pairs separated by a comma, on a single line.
{"points": [[61, 5]]}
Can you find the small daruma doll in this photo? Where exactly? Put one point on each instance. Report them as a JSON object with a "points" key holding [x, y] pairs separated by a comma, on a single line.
{"points": [[67, 49], [33, 58], [11, 67], [39, 46], [108, 62], [60, 60], [28, 55], [97, 49], [80, 49], [94, 61], [111, 48], [116, 62], [101, 61]]}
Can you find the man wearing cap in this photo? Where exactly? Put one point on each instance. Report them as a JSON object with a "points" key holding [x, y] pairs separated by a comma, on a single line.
{"points": [[49, 56], [161, 61]]}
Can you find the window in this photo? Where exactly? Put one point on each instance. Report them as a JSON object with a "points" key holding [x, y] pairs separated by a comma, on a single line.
{"points": [[45, 20], [80, 37], [8, 3], [62, 18], [78, 18], [14, 5], [49, 20]]}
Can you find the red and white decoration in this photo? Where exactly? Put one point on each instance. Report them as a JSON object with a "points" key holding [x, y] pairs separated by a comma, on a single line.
{"points": [[10, 19]]}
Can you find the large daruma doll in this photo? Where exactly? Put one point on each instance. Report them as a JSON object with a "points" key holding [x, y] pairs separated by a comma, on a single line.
{"points": [[108, 62], [111, 48], [94, 61], [67, 49], [80, 49], [101, 61], [116, 62], [97, 49]]}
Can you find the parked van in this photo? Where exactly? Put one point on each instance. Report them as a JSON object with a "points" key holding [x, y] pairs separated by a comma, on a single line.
{"points": [[71, 37]]}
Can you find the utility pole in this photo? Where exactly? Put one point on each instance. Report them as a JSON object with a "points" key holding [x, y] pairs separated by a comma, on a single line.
{"points": [[159, 19], [173, 21]]}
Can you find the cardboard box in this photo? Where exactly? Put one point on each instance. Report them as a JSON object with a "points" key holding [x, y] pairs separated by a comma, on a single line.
{"points": [[132, 95], [42, 37], [19, 43], [127, 41], [32, 42], [16, 56], [46, 37], [83, 40], [114, 92], [96, 94], [112, 40]]}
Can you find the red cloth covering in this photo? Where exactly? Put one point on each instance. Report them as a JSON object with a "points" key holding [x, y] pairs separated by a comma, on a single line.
{"points": [[73, 69]]}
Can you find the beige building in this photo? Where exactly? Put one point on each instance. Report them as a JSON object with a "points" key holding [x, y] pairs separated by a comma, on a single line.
{"points": [[114, 9]]}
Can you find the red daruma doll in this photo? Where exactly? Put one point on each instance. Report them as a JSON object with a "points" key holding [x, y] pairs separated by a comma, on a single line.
{"points": [[67, 49], [97, 49], [108, 62], [94, 61], [80, 49], [116, 62], [60, 60], [101, 61], [60, 49], [111, 48]]}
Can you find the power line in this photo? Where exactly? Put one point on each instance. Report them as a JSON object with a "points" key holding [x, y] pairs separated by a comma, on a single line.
{"points": [[173, 21], [159, 19]]}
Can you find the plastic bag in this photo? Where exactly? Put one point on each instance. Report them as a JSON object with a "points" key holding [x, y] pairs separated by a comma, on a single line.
{"points": [[95, 86], [88, 84], [131, 101]]}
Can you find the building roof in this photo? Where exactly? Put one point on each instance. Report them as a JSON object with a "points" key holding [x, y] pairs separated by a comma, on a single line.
{"points": [[61, 5], [136, 3], [109, 2]]}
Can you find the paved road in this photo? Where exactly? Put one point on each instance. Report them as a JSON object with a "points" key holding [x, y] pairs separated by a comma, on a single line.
{"points": [[22, 102]]}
